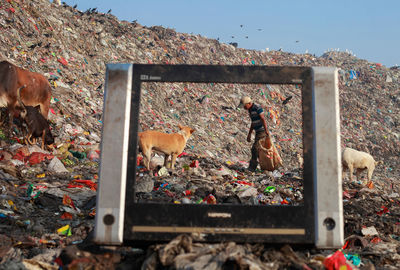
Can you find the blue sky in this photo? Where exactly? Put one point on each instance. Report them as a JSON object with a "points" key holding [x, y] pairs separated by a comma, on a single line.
{"points": [[370, 29]]}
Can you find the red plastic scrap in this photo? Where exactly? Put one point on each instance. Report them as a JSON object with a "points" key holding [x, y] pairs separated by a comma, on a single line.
{"points": [[138, 160], [37, 157], [195, 164], [66, 215], [19, 156], [19, 140], [284, 201], [243, 183], [81, 183], [383, 211], [336, 261], [40, 187], [92, 212], [169, 193], [376, 240], [68, 201], [346, 245], [62, 61], [182, 154], [346, 194], [70, 185], [210, 199]]}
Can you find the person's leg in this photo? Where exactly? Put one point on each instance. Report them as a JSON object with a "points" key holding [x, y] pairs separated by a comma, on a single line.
{"points": [[254, 155], [254, 152]]}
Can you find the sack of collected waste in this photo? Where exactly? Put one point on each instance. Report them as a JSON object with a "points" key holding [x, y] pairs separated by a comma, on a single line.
{"points": [[268, 156]]}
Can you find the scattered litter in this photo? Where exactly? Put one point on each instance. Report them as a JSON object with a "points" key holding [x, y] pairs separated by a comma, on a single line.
{"points": [[46, 190]]}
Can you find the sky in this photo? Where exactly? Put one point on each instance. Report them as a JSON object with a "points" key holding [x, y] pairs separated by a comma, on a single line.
{"points": [[368, 29]]}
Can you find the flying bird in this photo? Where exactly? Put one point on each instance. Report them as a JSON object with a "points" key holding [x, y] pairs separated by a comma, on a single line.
{"points": [[259, 29], [109, 11], [241, 25]]}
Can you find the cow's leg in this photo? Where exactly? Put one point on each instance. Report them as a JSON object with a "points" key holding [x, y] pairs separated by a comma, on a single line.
{"points": [[173, 160], [351, 172], [21, 127], [358, 173], [147, 158], [28, 139], [370, 172], [24, 132], [343, 172], [11, 119], [43, 135], [166, 157]]}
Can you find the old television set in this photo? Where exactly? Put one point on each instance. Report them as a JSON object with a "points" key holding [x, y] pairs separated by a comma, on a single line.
{"points": [[317, 221]]}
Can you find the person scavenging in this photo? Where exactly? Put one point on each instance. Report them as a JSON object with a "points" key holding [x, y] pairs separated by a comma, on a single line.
{"points": [[258, 124]]}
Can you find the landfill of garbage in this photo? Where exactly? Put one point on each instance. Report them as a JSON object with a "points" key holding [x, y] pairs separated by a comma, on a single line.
{"points": [[48, 197]]}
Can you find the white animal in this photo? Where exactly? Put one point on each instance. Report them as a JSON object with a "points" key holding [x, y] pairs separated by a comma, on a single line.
{"points": [[353, 159]]}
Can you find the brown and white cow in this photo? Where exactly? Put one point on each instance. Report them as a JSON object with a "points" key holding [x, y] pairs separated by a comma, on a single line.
{"points": [[37, 90]]}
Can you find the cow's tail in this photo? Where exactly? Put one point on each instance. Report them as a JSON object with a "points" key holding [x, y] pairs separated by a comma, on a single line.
{"points": [[378, 162]]}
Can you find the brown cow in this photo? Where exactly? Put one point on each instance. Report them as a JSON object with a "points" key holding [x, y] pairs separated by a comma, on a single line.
{"points": [[37, 89]]}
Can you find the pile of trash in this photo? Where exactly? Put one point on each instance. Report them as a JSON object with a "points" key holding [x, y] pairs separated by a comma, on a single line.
{"points": [[47, 198]]}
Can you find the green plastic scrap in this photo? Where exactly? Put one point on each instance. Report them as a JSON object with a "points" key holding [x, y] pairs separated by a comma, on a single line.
{"points": [[67, 162], [29, 190], [78, 155], [269, 189], [353, 258], [37, 194]]}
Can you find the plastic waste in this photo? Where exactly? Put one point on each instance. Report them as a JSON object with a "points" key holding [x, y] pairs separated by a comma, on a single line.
{"points": [[336, 261]]}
